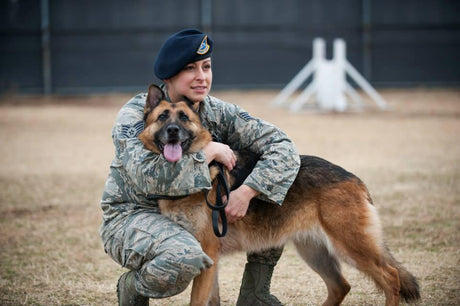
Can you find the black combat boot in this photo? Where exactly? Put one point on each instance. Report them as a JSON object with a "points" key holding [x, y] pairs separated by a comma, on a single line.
{"points": [[255, 286], [127, 294]]}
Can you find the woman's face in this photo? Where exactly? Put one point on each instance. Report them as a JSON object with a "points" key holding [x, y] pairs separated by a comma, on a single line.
{"points": [[194, 82]]}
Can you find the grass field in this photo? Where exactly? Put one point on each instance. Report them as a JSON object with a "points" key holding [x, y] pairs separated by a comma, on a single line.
{"points": [[56, 152]]}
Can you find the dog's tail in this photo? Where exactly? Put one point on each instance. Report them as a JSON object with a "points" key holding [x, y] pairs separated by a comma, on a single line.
{"points": [[409, 289]]}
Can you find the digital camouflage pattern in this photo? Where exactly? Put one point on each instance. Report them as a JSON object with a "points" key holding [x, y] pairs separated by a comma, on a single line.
{"points": [[266, 257], [279, 163], [134, 233], [165, 256]]}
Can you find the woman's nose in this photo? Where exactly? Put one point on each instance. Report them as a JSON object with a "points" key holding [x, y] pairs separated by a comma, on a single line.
{"points": [[199, 74]]}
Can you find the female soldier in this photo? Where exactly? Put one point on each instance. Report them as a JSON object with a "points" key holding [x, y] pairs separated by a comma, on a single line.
{"points": [[162, 257]]}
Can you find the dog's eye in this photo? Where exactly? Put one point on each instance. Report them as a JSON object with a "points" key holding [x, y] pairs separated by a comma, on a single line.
{"points": [[183, 117], [163, 116]]}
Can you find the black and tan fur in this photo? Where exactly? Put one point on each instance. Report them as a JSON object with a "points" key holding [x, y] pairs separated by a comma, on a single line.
{"points": [[328, 215]]}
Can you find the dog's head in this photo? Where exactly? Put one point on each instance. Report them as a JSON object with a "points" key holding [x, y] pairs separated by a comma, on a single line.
{"points": [[172, 129]]}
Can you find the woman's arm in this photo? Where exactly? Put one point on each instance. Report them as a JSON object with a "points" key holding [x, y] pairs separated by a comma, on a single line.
{"points": [[279, 160]]}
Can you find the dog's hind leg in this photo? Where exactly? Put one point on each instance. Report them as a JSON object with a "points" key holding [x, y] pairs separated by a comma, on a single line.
{"points": [[370, 260], [355, 232], [316, 254]]}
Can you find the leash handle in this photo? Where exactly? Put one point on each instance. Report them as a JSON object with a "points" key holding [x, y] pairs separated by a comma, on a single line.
{"points": [[215, 223], [218, 209]]}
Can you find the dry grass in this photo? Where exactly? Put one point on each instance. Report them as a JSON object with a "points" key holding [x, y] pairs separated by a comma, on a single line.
{"points": [[56, 152]]}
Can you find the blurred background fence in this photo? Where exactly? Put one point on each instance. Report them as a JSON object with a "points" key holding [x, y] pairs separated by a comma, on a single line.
{"points": [[83, 46]]}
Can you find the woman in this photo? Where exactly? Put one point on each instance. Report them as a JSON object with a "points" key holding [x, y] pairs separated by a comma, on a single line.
{"points": [[162, 257]]}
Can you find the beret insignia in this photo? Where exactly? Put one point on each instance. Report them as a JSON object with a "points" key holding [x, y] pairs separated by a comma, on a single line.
{"points": [[131, 131], [204, 47]]}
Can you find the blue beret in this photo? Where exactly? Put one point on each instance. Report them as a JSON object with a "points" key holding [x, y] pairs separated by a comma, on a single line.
{"points": [[180, 49]]}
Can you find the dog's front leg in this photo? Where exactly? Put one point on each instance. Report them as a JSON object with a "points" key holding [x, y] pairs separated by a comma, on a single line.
{"points": [[204, 285], [202, 289], [215, 297]]}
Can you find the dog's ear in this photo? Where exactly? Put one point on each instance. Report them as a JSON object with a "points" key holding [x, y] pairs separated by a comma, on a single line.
{"points": [[154, 97]]}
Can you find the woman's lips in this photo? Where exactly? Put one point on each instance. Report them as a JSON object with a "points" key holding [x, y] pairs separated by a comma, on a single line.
{"points": [[200, 89]]}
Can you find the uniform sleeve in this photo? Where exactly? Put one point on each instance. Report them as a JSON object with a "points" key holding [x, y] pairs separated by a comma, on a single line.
{"points": [[151, 174], [277, 168]]}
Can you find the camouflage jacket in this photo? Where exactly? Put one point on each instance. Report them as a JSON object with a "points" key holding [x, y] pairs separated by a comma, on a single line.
{"points": [[139, 177]]}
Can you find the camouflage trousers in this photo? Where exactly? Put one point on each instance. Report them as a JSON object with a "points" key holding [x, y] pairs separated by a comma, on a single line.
{"points": [[164, 255]]}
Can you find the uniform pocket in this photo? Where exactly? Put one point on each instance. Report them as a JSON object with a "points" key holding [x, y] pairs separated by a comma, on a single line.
{"points": [[113, 247]]}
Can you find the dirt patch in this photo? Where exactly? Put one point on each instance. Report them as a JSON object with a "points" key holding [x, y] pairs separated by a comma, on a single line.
{"points": [[55, 158]]}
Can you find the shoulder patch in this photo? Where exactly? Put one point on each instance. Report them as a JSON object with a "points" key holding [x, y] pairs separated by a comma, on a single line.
{"points": [[132, 131], [245, 116]]}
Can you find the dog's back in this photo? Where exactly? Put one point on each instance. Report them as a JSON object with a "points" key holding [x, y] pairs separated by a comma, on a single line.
{"points": [[328, 214]]}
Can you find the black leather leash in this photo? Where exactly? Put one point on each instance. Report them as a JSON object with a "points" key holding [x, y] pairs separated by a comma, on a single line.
{"points": [[218, 209]]}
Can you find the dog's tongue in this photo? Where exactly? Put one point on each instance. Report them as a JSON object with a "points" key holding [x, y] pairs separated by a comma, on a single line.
{"points": [[172, 152]]}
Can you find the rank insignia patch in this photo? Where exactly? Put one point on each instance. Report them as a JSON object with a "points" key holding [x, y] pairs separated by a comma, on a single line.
{"points": [[131, 131], [246, 116]]}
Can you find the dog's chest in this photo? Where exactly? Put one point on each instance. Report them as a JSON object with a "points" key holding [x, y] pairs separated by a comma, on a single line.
{"points": [[187, 213]]}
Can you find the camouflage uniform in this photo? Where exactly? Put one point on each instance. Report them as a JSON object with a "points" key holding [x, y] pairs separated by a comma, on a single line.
{"points": [[165, 256]]}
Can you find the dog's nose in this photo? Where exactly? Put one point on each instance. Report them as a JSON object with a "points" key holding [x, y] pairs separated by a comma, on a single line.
{"points": [[173, 129]]}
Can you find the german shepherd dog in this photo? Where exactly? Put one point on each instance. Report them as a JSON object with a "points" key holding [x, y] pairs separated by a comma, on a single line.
{"points": [[327, 213]]}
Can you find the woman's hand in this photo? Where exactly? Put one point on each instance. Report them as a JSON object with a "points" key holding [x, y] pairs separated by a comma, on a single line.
{"points": [[239, 198], [221, 153], [239, 202]]}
